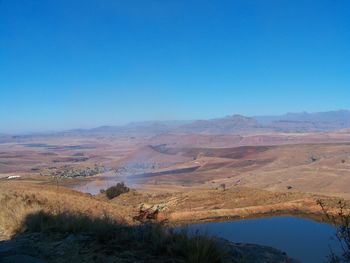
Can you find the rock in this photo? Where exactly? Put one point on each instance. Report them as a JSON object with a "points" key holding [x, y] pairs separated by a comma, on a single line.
{"points": [[7, 246], [149, 212], [32, 248], [256, 253], [64, 245], [21, 249], [13, 177], [21, 259]]}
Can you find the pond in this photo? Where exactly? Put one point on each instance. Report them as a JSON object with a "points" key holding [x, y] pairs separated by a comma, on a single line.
{"points": [[58, 147], [303, 239]]}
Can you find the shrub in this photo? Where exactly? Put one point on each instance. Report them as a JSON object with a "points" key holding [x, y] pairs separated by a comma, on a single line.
{"points": [[223, 187], [118, 189], [313, 159], [342, 223]]}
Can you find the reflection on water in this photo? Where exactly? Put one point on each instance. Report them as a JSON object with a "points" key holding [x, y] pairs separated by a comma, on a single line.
{"points": [[302, 239], [92, 187]]}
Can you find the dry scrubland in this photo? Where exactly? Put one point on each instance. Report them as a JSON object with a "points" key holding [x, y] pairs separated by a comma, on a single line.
{"points": [[182, 172], [184, 182], [175, 178]]}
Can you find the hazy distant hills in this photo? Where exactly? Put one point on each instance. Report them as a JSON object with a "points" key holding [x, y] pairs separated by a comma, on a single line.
{"points": [[307, 122], [290, 122], [230, 124], [135, 128], [236, 124]]}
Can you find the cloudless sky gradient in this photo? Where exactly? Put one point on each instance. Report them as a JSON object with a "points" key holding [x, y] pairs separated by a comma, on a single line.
{"points": [[71, 64]]}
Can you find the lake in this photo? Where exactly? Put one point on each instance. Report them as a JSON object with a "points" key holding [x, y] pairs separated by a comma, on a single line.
{"points": [[303, 239], [58, 147]]}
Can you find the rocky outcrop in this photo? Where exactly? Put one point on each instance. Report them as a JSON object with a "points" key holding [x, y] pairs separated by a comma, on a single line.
{"points": [[257, 253], [36, 248], [149, 213]]}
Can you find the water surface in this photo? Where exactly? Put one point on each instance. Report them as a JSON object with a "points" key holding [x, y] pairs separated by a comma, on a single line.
{"points": [[302, 239], [58, 147]]}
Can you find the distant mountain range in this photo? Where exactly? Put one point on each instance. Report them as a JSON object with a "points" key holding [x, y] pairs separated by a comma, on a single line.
{"points": [[236, 124], [307, 122], [290, 122], [230, 124]]}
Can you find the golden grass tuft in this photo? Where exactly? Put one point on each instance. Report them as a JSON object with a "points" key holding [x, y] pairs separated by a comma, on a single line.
{"points": [[14, 209], [17, 201]]}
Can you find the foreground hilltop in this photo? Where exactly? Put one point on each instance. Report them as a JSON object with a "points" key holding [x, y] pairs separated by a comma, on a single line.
{"points": [[54, 224]]}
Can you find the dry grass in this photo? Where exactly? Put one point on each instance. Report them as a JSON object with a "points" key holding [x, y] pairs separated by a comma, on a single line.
{"points": [[14, 209], [18, 200], [57, 213]]}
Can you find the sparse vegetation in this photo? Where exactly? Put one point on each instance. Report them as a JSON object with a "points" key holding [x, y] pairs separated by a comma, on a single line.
{"points": [[116, 190]]}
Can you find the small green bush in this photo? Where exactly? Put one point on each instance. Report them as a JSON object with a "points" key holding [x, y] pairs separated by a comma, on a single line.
{"points": [[118, 189]]}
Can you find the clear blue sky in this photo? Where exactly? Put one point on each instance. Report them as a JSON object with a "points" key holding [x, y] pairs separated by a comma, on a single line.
{"points": [[70, 64]]}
